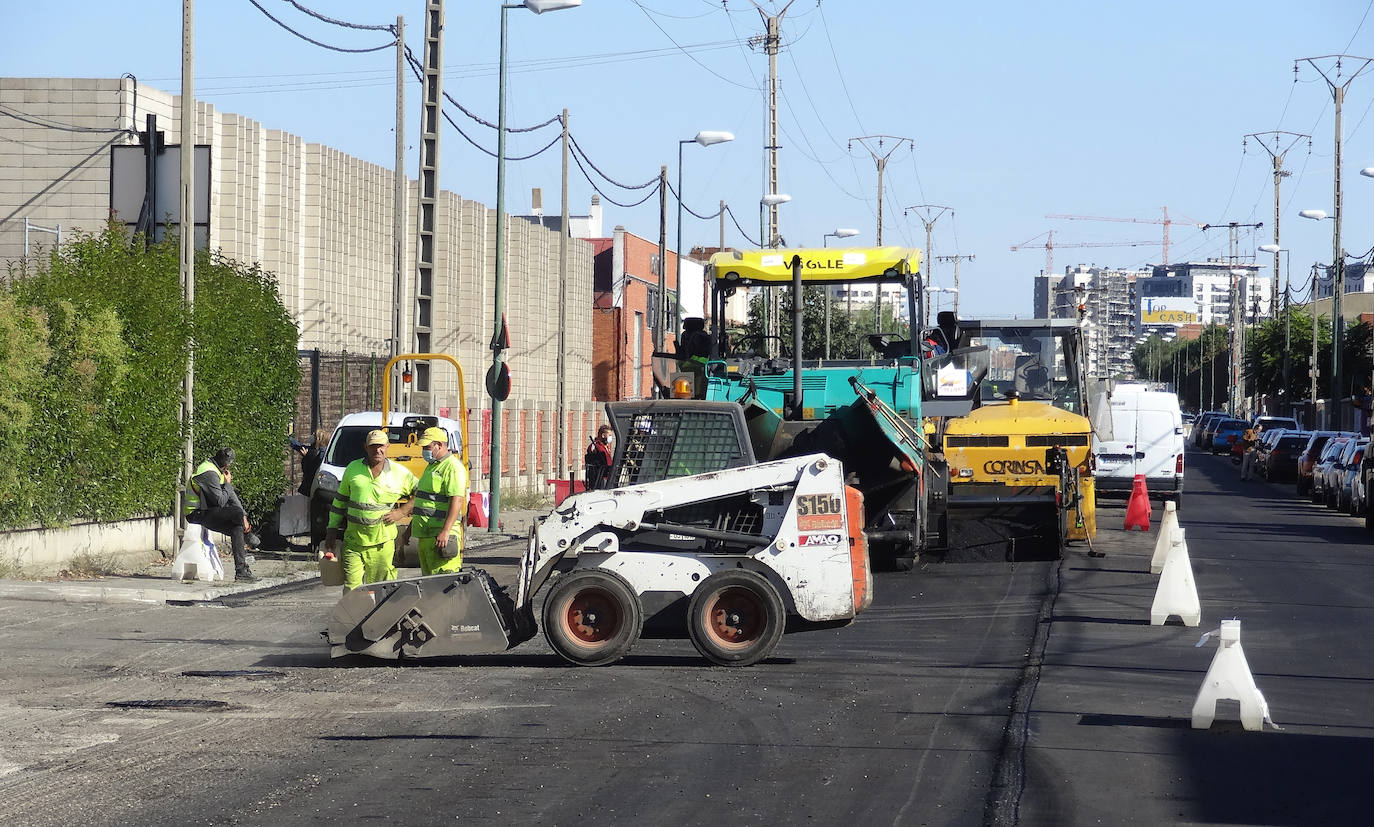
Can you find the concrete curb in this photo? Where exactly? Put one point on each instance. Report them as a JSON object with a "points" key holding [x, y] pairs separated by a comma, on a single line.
{"points": [[146, 592]]}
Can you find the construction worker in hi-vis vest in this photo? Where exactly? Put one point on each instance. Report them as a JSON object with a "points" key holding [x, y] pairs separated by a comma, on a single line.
{"points": [[373, 496], [440, 504]]}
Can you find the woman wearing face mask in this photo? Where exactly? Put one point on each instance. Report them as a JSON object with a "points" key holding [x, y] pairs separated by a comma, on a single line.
{"points": [[440, 502]]}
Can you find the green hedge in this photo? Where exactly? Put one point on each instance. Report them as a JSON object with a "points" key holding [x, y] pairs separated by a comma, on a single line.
{"points": [[93, 346]]}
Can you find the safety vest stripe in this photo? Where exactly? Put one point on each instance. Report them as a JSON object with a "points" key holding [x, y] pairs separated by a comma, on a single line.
{"points": [[362, 506], [424, 510], [432, 495], [356, 520]]}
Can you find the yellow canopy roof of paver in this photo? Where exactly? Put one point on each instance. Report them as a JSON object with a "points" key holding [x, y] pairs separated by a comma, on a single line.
{"points": [[835, 264]]}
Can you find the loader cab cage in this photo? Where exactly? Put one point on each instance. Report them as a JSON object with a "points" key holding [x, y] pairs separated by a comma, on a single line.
{"points": [[660, 441]]}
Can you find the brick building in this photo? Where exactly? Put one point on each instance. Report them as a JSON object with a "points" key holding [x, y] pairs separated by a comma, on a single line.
{"points": [[625, 322]]}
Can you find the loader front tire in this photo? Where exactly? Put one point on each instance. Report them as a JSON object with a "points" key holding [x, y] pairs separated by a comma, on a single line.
{"points": [[592, 617], [736, 618]]}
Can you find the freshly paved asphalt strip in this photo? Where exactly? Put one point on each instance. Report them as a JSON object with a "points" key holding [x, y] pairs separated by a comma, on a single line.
{"points": [[1110, 737]]}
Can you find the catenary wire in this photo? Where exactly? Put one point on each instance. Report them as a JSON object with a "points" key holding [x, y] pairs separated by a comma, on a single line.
{"points": [[321, 44], [35, 120], [685, 52], [735, 221], [578, 150], [693, 212], [343, 23]]}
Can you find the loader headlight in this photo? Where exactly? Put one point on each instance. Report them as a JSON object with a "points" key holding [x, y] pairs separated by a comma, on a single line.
{"points": [[965, 473]]}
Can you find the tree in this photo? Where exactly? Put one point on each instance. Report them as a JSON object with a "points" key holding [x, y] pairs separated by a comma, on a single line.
{"points": [[848, 336]]}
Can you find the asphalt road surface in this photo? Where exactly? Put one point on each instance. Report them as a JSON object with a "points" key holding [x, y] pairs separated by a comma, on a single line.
{"points": [[1033, 693]]}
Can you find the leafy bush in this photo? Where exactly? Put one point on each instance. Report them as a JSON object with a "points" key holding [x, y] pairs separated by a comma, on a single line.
{"points": [[93, 346]]}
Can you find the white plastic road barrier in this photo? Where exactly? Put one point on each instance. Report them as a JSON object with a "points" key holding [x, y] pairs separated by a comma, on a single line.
{"points": [[1168, 524], [197, 559], [1229, 679], [1176, 593]]}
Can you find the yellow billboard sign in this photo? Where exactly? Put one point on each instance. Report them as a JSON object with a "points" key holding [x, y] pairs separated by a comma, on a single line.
{"points": [[1164, 316]]}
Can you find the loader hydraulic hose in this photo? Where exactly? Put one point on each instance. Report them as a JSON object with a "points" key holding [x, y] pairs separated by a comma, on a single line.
{"points": [[755, 540]]}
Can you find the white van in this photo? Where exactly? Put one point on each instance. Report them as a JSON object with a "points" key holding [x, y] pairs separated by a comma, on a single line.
{"points": [[1146, 439]]}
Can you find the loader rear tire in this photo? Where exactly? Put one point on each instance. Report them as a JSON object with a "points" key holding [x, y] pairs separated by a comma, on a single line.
{"points": [[592, 617], [736, 618]]}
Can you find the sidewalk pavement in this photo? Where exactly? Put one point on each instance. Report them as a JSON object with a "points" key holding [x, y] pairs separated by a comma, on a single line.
{"points": [[155, 586]]}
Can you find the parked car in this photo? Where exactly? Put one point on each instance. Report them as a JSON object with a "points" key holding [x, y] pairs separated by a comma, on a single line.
{"points": [[1342, 474], [1266, 442], [1321, 472], [1269, 422], [1147, 440], [1226, 433], [1280, 462], [1308, 457], [1203, 427]]}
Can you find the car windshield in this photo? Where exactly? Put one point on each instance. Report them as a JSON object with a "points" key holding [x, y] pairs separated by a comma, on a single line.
{"points": [[1232, 425], [1291, 443]]}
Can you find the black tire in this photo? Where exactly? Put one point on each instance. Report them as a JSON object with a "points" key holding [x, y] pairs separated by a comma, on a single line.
{"points": [[736, 618], [1368, 510], [1178, 501], [592, 617]]}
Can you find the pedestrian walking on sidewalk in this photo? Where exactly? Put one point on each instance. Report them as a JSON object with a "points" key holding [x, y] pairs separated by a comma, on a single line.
{"points": [[1248, 442], [212, 502], [373, 496]]}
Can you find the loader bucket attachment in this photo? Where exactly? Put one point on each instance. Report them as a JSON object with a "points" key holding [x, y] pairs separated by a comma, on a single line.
{"points": [[463, 613]]}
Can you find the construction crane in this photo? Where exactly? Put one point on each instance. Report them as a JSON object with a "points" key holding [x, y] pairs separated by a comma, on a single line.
{"points": [[1166, 221], [1049, 246]]}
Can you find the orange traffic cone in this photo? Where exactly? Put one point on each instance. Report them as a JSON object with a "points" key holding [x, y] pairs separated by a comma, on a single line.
{"points": [[1138, 509]]}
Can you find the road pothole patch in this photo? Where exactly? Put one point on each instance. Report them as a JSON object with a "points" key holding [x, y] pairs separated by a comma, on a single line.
{"points": [[188, 704], [251, 674]]}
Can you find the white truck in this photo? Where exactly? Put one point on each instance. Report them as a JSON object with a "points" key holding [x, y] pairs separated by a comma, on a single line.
{"points": [[730, 558], [1146, 440]]}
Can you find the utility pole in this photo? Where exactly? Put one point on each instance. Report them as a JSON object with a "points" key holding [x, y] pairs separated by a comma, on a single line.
{"points": [[1236, 356], [772, 43], [874, 145], [188, 240], [1338, 87], [1312, 365], [398, 207], [660, 304], [427, 199], [929, 214], [562, 404], [721, 213], [956, 259], [1276, 155]]}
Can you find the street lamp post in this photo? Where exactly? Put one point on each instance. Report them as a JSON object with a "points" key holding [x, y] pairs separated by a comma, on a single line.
{"points": [[706, 138], [499, 342], [840, 232], [1337, 288], [772, 199]]}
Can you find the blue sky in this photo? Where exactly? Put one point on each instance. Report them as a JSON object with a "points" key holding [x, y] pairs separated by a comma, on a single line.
{"points": [[1017, 110]]}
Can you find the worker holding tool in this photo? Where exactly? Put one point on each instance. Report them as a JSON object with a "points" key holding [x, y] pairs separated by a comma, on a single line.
{"points": [[370, 500], [440, 501], [212, 502]]}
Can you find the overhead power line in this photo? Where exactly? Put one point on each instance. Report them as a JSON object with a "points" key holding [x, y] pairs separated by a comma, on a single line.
{"points": [[343, 23], [35, 120], [321, 44]]}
